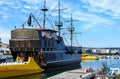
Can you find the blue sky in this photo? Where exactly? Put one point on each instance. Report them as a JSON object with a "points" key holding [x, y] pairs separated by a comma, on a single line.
{"points": [[99, 20]]}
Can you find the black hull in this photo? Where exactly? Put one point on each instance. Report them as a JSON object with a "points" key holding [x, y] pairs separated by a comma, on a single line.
{"points": [[48, 49], [57, 62], [63, 64]]}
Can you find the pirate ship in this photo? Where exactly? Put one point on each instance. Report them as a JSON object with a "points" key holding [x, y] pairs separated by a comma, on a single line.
{"points": [[46, 46]]}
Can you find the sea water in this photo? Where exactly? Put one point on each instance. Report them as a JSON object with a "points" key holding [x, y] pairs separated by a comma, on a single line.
{"points": [[96, 64]]}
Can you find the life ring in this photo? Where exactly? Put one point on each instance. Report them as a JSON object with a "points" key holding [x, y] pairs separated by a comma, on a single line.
{"points": [[41, 57]]}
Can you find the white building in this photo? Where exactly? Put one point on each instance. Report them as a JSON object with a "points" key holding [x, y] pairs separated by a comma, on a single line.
{"points": [[104, 50], [4, 48], [4, 51], [96, 51]]}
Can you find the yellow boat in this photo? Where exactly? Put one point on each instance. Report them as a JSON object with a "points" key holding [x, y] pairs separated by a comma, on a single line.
{"points": [[19, 68], [86, 57]]}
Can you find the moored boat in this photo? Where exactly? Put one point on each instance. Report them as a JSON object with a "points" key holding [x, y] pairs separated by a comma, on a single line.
{"points": [[45, 45], [4, 52], [11, 69], [86, 57]]}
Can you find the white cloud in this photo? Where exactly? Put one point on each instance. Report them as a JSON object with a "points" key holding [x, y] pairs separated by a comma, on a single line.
{"points": [[8, 2], [27, 6], [95, 17], [1, 2], [4, 34], [110, 7], [5, 17], [4, 8], [92, 20], [33, 1]]}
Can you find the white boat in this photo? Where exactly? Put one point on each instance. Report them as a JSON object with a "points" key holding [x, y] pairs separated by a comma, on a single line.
{"points": [[4, 52]]}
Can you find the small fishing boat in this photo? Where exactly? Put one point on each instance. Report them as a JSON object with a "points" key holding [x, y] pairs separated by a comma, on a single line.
{"points": [[108, 73], [86, 57], [11, 69]]}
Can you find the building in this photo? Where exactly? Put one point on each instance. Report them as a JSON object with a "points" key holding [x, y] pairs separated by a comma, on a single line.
{"points": [[4, 48], [108, 50]]}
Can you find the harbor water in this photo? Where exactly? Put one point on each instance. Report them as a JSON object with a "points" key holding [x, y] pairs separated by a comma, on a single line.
{"points": [[96, 64]]}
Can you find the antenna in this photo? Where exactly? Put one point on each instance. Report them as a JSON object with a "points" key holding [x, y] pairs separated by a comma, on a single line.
{"points": [[44, 10]]}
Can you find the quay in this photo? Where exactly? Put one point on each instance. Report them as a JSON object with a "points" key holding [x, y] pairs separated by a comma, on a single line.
{"points": [[109, 56], [86, 73]]}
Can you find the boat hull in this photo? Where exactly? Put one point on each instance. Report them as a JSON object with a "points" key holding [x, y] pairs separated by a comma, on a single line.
{"points": [[13, 73], [61, 60], [89, 58], [48, 49], [19, 69], [63, 63]]}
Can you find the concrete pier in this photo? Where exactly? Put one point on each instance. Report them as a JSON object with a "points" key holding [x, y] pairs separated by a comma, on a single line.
{"points": [[86, 73]]}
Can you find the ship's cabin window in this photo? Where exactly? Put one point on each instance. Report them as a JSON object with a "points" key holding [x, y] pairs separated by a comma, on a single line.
{"points": [[7, 52], [51, 49], [2, 51], [43, 49], [61, 55], [52, 43], [47, 49], [28, 43], [17, 43], [45, 43], [49, 43]]}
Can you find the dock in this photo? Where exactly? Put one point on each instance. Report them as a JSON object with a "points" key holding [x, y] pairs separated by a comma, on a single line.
{"points": [[86, 73]]}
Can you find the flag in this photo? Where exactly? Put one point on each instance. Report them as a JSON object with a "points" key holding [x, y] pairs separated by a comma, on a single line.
{"points": [[29, 20]]}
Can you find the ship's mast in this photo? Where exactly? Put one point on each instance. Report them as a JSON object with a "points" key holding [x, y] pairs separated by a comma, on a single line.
{"points": [[0, 42], [71, 29], [59, 23], [44, 10]]}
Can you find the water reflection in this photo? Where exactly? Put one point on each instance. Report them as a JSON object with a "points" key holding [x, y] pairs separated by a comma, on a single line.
{"points": [[93, 64], [33, 76], [87, 60], [46, 74], [97, 64]]}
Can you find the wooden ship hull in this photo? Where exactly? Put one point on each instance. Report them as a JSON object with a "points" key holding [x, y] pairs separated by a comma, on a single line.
{"points": [[41, 42]]}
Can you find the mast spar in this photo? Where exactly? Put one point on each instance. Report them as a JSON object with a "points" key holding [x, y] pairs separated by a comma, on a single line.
{"points": [[0, 42], [71, 30], [44, 10], [59, 23]]}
